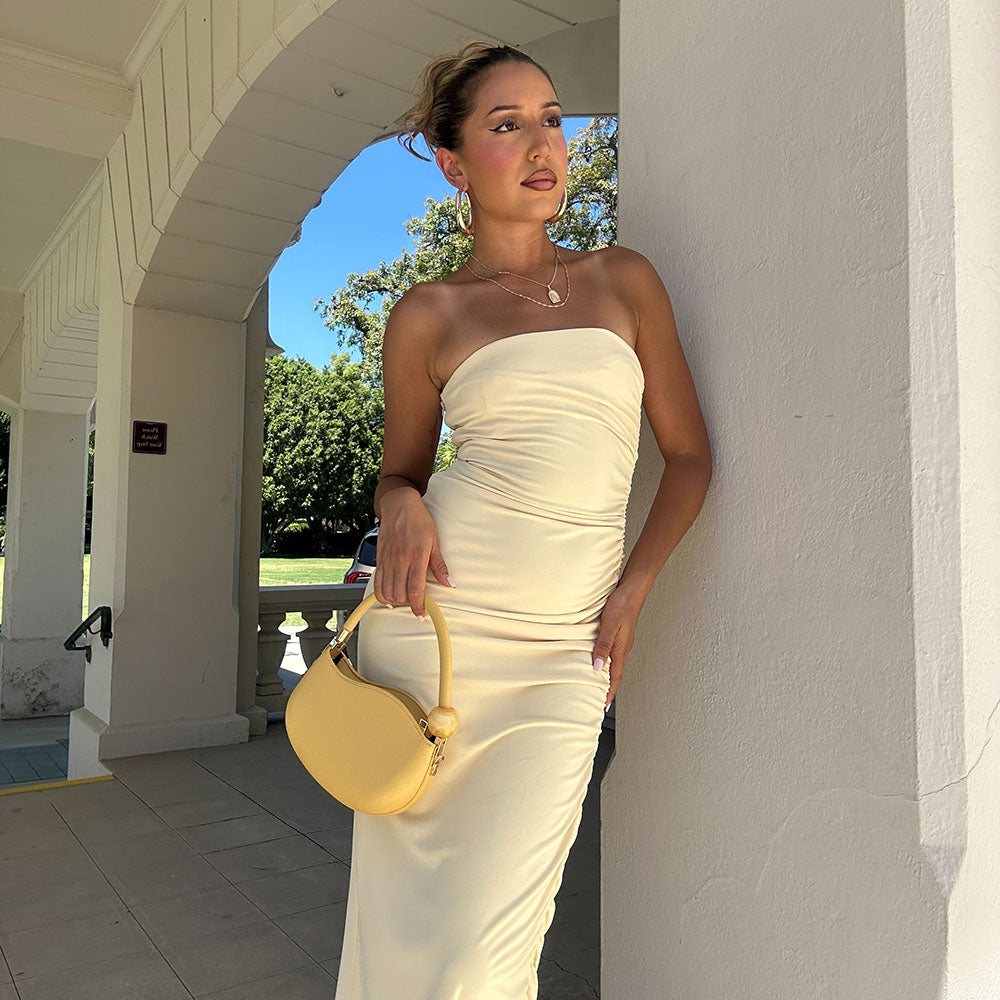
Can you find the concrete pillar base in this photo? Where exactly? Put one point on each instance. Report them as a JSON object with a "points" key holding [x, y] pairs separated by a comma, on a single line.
{"points": [[92, 740], [257, 717], [272, 702]]}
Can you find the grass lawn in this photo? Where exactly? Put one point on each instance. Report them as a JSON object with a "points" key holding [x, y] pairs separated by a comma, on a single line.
{"points": [[273, 573], [291, 572]]}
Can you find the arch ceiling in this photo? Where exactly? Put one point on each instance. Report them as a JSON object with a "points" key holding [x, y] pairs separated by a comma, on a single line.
{"points": [[216, 126]]}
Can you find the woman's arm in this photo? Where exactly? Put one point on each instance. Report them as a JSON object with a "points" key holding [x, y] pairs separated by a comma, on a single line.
{"points": [[675, 416], [413, 414]]}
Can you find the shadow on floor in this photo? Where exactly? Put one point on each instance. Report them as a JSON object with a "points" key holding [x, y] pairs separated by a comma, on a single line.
{"points": [[219, 873]]}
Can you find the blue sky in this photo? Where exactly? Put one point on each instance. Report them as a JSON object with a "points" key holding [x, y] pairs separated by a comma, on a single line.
{"points": [[358, 224]]}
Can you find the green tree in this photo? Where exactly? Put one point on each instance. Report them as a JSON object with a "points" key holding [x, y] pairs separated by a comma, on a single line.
{"points": [[322, 449]]}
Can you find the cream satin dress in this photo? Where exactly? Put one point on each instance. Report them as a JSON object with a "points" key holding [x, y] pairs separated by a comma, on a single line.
{"points": [[451, 899]]}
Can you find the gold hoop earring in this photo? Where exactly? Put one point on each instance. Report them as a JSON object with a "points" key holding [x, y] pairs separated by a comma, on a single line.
{"points": [[467, 228], [561, 210]]}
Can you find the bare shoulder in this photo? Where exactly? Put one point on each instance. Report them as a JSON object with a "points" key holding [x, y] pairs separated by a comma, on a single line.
{"points": [[421, 309], [412, 334], [600, 261], [638, 282], [630, 265]]}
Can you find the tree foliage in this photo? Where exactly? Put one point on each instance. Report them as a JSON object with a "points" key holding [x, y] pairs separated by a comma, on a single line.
{"points": [[322, 448]]}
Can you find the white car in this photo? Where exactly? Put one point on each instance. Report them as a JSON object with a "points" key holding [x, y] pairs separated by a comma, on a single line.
{"points": [[362, 568]]}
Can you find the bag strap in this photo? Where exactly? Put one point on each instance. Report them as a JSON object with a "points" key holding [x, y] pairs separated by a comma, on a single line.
{"points": [[447, 718]]}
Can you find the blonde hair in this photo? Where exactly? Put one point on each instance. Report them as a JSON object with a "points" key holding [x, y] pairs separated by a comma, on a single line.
{"points": [[445, 91]]}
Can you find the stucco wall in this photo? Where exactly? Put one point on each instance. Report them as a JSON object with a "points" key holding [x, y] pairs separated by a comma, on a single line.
{"points": [[776, 821]]}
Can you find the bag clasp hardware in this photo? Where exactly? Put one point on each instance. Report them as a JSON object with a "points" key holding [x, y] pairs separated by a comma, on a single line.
{"points": [[438, 742]]}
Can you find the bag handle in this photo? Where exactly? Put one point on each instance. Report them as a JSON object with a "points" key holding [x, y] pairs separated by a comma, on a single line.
{"points": [[442, 720]]}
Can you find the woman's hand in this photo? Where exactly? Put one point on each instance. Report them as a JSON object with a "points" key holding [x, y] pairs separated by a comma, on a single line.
{"points": [[407, 545], [618, 622]]}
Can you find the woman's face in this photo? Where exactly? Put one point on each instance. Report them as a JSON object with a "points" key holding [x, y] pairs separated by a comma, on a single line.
{"points": [[504, 145]]}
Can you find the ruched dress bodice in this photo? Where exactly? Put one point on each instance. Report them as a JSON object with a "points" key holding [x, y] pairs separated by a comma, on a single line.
{"points": [[546, 425]]}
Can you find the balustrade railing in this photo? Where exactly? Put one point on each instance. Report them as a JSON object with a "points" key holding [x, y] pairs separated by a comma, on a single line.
{"points": [[317, 604]]}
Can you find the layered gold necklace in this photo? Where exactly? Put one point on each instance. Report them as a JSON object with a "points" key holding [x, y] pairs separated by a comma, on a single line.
{"points": [[554, 296]]}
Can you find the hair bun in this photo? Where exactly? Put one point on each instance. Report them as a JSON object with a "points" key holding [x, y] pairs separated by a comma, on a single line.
{"points": [[445, 92]]}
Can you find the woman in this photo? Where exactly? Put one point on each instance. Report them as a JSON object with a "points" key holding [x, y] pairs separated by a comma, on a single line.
{"points": [[451, 899]]}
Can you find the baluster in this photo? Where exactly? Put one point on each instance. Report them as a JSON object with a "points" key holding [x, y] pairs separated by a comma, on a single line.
{"points": [[271, 643], [315, 636]]}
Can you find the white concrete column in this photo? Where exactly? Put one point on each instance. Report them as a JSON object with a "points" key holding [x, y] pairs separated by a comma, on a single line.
{"points": [[973, 967], [804, 800], [251, 474], [43, 564], [166, 530]]}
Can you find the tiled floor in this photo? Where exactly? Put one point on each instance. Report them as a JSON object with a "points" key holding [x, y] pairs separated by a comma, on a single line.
{"points": [[216, 873], [29, 765], [32, 732]]}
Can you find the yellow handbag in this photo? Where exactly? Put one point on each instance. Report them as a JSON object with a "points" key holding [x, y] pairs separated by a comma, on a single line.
{"points": [[371, 746]]}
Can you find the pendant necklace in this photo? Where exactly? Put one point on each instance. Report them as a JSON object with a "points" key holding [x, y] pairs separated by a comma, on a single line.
{"points": [[554, 296]]}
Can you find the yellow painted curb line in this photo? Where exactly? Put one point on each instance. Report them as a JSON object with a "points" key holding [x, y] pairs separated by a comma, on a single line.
{"points": [[55, 784]]}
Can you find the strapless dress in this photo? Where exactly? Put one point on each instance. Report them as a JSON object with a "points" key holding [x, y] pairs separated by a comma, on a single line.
{"points": [[451, 899]]}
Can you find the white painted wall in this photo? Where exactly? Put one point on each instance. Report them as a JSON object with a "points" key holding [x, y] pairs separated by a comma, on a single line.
{"points": [[801, 687]]}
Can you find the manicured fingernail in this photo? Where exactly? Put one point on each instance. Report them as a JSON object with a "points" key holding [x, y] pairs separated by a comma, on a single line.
{"points": [[451, 582], [388, 605], [599, 663], [420, 618]]}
